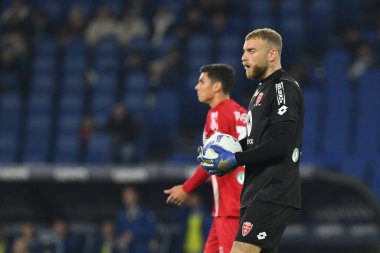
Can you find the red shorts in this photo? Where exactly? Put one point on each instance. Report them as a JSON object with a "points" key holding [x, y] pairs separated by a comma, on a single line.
{"points": [[222, 235]]}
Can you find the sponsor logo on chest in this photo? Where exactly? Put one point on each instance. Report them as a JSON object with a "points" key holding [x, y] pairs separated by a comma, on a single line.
{"points": [[258, 99]]}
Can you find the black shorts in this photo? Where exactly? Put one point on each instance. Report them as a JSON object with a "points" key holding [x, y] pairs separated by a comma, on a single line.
{"points": [[262, 224]]}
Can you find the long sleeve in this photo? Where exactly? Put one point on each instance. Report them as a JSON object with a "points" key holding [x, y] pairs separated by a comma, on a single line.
{"points": [[280, 139], [195, 180]]}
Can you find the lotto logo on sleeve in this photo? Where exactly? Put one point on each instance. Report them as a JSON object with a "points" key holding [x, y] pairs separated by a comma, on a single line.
{"points": [[282, 110], [246, 228]]}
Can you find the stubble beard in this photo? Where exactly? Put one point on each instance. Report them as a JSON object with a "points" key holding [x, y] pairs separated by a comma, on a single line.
{"points": [[256, 73]]}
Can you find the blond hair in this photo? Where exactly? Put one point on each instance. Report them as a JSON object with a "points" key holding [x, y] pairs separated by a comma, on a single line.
{"points": [[267, 34]]}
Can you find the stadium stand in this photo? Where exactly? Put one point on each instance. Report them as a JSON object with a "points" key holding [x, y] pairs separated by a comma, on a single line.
{"points": [[52, 78]]}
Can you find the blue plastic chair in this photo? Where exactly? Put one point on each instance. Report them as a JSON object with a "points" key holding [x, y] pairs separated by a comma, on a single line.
{"points": [[67, 149], [99, 149]]}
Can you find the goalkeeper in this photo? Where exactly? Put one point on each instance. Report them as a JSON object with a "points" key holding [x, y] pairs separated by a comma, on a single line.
{"points": [[271, 190], [225, 116]]}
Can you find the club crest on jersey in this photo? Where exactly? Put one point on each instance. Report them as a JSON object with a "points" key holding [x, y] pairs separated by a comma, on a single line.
{"points": [[258, 99], [280, 93], [246, 228]]}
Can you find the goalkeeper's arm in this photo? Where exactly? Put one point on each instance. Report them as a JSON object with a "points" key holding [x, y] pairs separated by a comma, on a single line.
{"points": [[279, 137]]}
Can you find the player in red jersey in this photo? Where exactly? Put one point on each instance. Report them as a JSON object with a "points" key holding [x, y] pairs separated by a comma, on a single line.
{"points": [[225, 116]]}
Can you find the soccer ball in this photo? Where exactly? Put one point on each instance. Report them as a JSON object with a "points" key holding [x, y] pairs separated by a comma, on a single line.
{"points": [[226, 141]]}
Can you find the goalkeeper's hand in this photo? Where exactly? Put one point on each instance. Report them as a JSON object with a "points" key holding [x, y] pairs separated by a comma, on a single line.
{"points": [[224, 163]]}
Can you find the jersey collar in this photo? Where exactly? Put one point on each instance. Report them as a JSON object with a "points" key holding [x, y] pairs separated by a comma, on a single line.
{"points": [[272, 76]]}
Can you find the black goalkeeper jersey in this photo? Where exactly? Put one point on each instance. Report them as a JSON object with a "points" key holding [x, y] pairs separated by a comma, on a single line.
{"points": [[274, 141]]}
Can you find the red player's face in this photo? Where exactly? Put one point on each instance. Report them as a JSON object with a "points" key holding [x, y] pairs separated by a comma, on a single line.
{"points": [[205, 89]]}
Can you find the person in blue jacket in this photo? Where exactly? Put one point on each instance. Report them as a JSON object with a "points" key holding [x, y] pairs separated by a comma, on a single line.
{"points": [[135, 224]]}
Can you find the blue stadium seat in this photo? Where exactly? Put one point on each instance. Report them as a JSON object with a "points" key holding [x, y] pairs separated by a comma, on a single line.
{"points": [[136, 105], [106, 83], [312, 133], [54, 9], [69, 124], [67, 149], [75, 46], [101, 105], [336, 66], [336, 126], [44, 63], [231, 43], [167, 42], [164, 119], [43, 82], [261, 21], [40, 103], [46, 47], [107, 47], [260, 7], [106, 62], [318, 25], [138, 44], [337, 111], [98, 150], [355, 166], [194, 62], [293, 35], [136, 82], [8, 148], [10, 111], [74, 64], [38, 138], [291, 7], [198, 45], [73, 83], [71, 104], [375, 179], [367, 139]]}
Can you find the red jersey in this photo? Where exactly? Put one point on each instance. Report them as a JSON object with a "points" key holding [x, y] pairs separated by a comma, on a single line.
{"points": [[230, 118]]}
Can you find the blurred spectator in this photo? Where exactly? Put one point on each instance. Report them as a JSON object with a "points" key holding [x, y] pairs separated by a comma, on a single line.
{"points": [[124, 130], [131, 26], [135, 224], [351, 39], [30, 237], [8, 70], [86, 128], [102, 26], [14, 62], [211, 6], [20, 246], [162, 20], [105, 242], [193, 223], [194, 20], [135, 60], [3, 242], [165, 73], [364, 59], [74, 25], [219, 22], [40, 26], [15, 18], [65, 242]]}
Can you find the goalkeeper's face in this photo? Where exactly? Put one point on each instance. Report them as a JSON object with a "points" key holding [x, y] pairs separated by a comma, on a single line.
{"points": [[205, 89], [255, 58]]}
